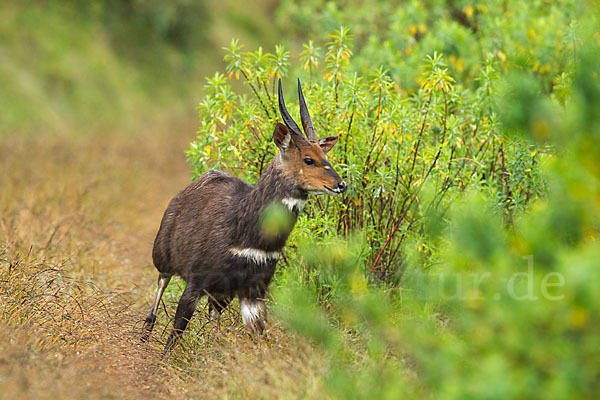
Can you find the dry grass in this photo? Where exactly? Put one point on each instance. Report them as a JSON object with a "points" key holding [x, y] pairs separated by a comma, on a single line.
{"points": [[77, 220]]}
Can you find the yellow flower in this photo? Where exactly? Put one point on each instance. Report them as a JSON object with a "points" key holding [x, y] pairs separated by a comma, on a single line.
{"points": [[578, 317], [468, 10]]}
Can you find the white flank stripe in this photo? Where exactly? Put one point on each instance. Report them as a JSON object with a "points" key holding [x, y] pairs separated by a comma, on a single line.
{"points": [[292, 203], [256, 255]]}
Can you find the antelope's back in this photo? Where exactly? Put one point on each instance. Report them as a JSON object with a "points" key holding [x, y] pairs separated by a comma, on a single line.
{"points": [[192, 232]]}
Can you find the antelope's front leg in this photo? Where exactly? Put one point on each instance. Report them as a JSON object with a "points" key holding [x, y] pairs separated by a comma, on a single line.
{"points": [[254, 315], [185, 309]]}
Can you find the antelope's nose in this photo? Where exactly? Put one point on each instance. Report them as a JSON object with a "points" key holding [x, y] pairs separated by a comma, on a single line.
{"points": [[341, 187]]}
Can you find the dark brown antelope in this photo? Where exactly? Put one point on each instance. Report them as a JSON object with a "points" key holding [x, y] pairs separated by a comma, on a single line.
{"points": [[211, 234]]}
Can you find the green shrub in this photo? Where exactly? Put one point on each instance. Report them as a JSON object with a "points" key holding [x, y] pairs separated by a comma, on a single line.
{"points": [[507, 311], [399, 34], [392, 143]]}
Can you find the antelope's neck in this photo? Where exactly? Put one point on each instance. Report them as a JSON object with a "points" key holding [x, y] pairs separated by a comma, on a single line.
{"points": [[273, 187]]}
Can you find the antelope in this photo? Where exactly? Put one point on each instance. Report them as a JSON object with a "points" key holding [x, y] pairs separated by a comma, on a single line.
{"points": [[211, 236]]}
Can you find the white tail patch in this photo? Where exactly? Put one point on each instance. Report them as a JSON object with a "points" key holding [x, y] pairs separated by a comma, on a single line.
{"points": [[256, 255], [294, 204], [252, 311]]}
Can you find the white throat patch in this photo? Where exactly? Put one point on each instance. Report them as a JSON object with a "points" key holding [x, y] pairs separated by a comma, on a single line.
{"points": [[292, 203], [256, 255]]}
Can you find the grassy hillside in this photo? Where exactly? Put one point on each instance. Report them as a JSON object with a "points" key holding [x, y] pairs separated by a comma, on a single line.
{"points": [[96, 66]]}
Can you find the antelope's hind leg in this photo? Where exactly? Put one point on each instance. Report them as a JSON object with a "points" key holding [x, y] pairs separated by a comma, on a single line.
{"points": [[163, 282]]}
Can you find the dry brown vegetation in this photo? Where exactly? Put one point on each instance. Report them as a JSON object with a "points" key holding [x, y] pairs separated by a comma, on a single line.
{"points": [[77, 219]]}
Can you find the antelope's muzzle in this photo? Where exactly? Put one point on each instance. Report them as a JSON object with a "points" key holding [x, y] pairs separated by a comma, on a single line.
{"points": [[340, 188]]}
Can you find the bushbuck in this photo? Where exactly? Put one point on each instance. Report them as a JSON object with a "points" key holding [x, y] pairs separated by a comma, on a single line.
{"points": [[211, 233]]}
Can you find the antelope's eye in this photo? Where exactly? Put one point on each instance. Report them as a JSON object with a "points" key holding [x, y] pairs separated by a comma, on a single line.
{"points": [[309, 161]]}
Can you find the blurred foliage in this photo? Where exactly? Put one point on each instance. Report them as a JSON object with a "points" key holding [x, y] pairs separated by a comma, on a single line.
{"points": [[505, 311], [275, 220], [399, 34], [73, 65], [462, 262]]}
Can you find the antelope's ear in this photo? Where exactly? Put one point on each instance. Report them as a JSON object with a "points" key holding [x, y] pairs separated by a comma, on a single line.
{"points": [[282, 137], [328, 142]]}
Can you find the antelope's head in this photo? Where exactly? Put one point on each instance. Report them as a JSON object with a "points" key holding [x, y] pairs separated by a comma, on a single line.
{"points": [[303, 154]]}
